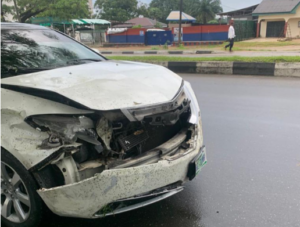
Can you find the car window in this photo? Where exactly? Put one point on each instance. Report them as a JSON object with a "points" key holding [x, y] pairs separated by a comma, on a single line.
{"points": [[25, 51]]}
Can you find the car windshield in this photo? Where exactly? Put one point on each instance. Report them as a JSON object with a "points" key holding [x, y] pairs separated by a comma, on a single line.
{"points": [[27, 51]]}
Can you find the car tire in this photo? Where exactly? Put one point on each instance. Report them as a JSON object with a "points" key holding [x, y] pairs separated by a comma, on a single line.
{"points": [[21, 206]]}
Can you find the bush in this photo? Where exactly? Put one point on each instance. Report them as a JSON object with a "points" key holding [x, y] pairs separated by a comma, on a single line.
{"points": [[166, 45], [137, 26]]}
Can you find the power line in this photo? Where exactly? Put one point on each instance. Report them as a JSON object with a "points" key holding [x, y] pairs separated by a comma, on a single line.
{"points": [[228, 6]]}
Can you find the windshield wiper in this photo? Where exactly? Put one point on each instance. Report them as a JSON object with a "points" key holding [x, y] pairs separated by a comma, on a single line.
{"points": [[82, 60], [20, 71], [32, 70]]}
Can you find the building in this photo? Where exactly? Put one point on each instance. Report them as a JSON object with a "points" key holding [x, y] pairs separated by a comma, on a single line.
{"points": [[174, 18], [241, 14], [144, 22], [278, 18], [244, 22], [91, 7]]}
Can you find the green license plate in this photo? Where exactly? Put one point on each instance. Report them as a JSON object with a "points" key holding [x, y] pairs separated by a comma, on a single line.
{"points": [[201, 161]]}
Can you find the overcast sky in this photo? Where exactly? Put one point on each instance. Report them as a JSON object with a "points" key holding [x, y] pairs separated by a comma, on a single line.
{"points": [[228, 5]]}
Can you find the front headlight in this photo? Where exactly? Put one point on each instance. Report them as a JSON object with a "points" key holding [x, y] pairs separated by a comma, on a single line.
{"points": [[195, 109], [66, 129]]}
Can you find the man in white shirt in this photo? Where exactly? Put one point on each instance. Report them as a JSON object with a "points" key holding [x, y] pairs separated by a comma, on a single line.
{"points": [[231, 36]]}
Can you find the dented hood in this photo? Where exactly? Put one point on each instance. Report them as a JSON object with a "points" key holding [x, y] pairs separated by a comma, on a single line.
{"points": [[106, 85]]}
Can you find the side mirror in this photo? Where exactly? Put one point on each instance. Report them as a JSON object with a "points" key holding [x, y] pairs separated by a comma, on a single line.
{"points": [[96, 50]]}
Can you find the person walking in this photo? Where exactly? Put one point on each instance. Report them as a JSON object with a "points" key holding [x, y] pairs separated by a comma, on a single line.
{"points": [[231, 36]]}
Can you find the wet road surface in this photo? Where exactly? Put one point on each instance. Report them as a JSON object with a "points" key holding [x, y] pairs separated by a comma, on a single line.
{"points": [[252, 133]]}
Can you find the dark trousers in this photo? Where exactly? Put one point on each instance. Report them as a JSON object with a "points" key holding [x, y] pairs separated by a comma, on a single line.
{"points": [[231, 42]]}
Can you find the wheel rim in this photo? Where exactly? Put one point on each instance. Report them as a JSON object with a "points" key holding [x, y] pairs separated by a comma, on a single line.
{"points": [[15, 200]]}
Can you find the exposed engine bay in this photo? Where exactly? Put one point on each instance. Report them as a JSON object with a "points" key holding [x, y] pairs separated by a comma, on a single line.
{"points": [[114, 139]]}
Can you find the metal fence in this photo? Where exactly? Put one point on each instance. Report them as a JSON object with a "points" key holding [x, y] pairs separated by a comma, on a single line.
{"points": [[91, 37], [245, 30]]}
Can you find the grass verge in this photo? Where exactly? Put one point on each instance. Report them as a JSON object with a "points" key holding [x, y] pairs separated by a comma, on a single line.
{"points": [[198, 59]]}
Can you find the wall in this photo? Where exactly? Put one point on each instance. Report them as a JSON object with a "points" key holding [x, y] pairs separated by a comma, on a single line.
{"points": [[190, 34], [134, 36], [295, 30], [205, 33], [177, 25], [292, 19], [263, 26]]}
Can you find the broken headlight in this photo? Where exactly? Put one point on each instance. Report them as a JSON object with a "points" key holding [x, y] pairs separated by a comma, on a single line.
{"points": [[66, 129], [195, 109]]}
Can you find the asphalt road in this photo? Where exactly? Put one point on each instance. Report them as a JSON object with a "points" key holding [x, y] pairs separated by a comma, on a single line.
{"points": [[252, 133]]}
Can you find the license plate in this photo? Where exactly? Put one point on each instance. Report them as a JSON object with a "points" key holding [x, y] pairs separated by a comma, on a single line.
{"points": [[201, 161], [197, 164]]}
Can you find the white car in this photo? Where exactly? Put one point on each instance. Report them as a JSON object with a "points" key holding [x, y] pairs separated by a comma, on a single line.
{"points": [[86, 136]]}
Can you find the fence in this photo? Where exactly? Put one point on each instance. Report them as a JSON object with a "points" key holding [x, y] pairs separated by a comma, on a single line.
{"points": [[245, 30], [205, 33], [134, 36], [91, 36]]}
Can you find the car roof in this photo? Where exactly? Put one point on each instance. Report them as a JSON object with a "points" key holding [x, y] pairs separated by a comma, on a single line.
{"points": [[20, 26]]}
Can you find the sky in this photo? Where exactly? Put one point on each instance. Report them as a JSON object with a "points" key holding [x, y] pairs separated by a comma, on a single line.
{"points": [[228, 5]]}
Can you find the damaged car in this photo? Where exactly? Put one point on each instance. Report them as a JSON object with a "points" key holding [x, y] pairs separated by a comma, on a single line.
{"points": [[86, 136]]}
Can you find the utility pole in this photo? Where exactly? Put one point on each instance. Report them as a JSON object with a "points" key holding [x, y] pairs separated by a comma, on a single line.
{"points": [[180, 21], [17, 11]]}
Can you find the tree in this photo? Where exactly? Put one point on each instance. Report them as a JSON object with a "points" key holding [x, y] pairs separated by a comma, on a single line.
{"points": [[213, 22], [67, 9], [166, 6], [155, 13], [158, 25], [63, 9], [205, 10], [5, 9], [116, 10], [142, 9]]}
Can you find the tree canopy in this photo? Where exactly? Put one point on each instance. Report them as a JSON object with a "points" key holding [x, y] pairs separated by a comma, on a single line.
{"points": [[123, 10], [205, 10], [116, 10], [166, 6], [63, 9], [113, 10]]}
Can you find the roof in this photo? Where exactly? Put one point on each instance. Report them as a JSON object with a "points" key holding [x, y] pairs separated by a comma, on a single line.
{"points": [[276, 6], [124, 25], [21, 26], [240, 12], [174, 16], [94, 21], [144, 22], [75, 21], [47, 21]]}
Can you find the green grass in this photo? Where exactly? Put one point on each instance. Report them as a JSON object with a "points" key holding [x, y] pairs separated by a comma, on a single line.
{"points": [[266, 44], [198, 59]]}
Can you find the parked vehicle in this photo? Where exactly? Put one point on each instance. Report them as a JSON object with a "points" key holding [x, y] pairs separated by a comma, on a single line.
{"points": [[86, 136]]}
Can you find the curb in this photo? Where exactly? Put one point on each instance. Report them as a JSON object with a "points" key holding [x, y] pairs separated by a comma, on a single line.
{"points": [[234, 68], [157, 52]]}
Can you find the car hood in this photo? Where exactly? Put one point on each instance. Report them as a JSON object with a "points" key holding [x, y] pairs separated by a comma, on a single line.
{"points": [[106, 85]]}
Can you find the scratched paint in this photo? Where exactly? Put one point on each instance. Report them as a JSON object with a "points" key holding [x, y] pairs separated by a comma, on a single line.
{"points": [[85, 198], [125, 83]]}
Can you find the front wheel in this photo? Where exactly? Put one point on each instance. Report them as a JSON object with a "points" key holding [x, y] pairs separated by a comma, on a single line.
{"points": [[21, 206]]}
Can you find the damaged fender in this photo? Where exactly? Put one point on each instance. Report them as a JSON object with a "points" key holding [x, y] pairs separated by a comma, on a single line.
{"points": [[18, 137]]}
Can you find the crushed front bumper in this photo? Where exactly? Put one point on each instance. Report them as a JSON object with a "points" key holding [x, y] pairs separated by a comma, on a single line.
{"points": [[86, 199]]}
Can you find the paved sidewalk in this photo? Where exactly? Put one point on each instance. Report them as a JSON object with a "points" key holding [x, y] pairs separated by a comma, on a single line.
{"points": [[203, 53]]}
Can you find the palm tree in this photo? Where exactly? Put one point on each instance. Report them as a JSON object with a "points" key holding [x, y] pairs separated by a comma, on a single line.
{"points": [[205, 10]]}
